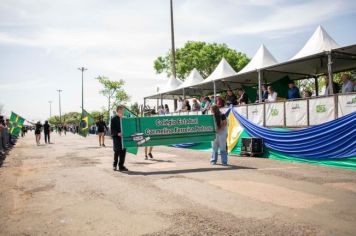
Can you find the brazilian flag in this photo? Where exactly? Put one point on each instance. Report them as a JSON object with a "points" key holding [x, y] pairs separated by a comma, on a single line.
{"points": [[86, 121], [16, 123]]}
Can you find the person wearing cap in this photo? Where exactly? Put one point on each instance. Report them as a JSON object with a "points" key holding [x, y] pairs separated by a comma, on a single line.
{"points": [[293, 91]]}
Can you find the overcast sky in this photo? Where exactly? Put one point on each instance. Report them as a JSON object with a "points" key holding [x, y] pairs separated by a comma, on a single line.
{"points": [[43, 42]]}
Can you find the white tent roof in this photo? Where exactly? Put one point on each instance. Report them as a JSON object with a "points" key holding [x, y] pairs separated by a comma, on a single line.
{"points": [[261, 59], [223, 70], [171, 84], [320, 41], [193, 78]]}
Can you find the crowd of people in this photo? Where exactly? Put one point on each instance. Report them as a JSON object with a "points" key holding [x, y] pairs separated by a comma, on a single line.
{"points": [[240, 97]]}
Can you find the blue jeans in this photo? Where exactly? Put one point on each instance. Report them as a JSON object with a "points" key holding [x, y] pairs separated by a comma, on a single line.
{"points": [[219, 142]]}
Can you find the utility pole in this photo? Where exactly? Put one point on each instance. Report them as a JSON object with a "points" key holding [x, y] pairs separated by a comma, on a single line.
{"points": [[82, 69], [50, 109], [60, 110], [173, 47], [173, 50]]}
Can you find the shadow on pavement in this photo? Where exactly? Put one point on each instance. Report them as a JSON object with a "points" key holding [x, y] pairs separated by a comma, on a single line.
{"points": [[185, 171]]}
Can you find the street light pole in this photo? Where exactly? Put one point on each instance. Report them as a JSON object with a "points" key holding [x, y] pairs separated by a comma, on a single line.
{"points": [[173, 47], [60, 111], [173, 50], [50, 109], [82, 69]]}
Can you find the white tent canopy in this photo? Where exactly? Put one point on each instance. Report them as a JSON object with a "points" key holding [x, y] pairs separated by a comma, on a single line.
{"points": [[320, 41], [193, 78], [261, 59], [172, 84], [223, 70], [318, 54]]}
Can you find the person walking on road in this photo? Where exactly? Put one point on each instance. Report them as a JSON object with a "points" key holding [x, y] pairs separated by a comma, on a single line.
{"points": [[149, 150], [119, 151], [47, 130], [221, 136], [101, 129], [38, 130]]}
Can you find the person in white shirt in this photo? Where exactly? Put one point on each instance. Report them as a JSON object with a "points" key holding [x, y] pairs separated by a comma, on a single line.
{"points": [[179, 104], [347, 85], [272, 95]]}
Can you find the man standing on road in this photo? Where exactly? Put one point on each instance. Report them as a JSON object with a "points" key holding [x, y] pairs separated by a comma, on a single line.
{"points": [[119, 151], [46, 130]]}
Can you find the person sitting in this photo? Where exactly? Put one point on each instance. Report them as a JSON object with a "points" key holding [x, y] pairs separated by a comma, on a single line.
{"points": [[179, 105], [187, 106], [219, 101], [293, 91], [327, 89], [195, 105], [161, 110], [272, 95], [212, 100], [231, 98], [264, 94], [207, 105], [307, 94], [166, 109], [243, 97], [347, 85]]}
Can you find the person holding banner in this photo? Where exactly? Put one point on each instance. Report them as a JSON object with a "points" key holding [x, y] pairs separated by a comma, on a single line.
{"points": [[119, 151], [221, 136]]}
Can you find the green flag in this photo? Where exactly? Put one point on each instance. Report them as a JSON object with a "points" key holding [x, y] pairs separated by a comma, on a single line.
{"points": [[16, 123], [86, 121]]}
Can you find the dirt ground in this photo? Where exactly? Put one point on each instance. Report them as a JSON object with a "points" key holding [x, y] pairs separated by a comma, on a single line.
{"points": [[69, 188]]}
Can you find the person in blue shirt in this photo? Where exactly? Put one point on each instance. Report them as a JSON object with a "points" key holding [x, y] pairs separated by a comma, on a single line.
{"points": [[293, 91]]}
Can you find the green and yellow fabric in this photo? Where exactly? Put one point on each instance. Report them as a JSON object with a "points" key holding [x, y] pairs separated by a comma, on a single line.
{"points": [[16, 123], [86, 121]]}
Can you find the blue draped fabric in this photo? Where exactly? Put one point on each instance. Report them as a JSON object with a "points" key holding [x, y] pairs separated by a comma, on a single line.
{"points": [[331, 140]]}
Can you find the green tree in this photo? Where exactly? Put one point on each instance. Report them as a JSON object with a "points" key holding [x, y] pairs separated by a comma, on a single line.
{"points": [[54, 120], [113, 91], [202, 56], [135, 108]]}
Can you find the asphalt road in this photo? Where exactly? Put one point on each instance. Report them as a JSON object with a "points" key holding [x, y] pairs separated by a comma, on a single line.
{"points": [[69, 188]]}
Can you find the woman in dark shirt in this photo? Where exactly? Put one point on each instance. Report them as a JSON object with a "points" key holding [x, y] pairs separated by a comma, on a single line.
{"points": [[38, 130], [101, 128]]}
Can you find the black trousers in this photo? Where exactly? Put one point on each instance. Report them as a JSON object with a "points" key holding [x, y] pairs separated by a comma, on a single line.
{"points": [[47, 137], [119, 152]]}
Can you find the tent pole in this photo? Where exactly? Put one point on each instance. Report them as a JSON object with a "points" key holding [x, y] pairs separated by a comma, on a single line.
{"points": [[144, 106], [183, 93], [214, 92], [316, 86], [259, 86], [161, 100], [330, 73]]}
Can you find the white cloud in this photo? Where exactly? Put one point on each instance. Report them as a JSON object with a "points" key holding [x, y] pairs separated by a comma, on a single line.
{"points": [[286, 18]]}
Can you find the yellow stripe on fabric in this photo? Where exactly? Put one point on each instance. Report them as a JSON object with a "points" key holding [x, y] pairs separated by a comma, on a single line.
{"points": [[234, 132]]}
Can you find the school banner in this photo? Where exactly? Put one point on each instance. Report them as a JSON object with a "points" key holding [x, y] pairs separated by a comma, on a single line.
{"points": [[346, 104], [321, 110], [255, 114], [158, 130], [275, 114]]}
